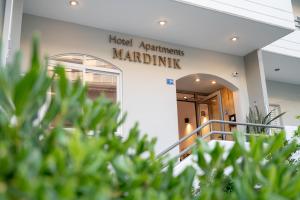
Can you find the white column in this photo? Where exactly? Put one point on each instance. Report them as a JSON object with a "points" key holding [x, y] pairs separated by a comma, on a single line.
{"points": [[16, 29], [11, 29], [2, 11], [6, 34], [256, 81]]}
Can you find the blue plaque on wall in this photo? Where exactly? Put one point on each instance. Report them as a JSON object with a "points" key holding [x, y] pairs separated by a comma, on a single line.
{"points": [[170, 81]]}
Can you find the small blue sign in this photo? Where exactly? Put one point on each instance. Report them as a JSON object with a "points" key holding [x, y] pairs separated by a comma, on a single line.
{"points": [[170, 81]]}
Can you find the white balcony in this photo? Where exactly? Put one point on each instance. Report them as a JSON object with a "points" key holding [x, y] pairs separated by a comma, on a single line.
{"points": [[275, 12], [288, 45], [282, 57]]}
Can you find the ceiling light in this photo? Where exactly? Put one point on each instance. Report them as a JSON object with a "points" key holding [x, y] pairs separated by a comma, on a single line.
{"points": [[197, 80], [213, 82], [162, 23], [185, 97], [73, 3], [234, 39], [277, 69]]}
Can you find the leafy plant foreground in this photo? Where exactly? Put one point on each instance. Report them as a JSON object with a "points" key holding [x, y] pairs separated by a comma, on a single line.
{"points": [[41, 159], [262, 169]]}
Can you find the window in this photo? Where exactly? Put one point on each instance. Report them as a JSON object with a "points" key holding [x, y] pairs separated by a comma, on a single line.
{"points": [[101, 83], [101, 77]]}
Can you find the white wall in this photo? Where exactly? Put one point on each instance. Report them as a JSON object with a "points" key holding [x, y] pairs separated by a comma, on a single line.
{"points": [[275, 12], [146, 96], [288, 97]]}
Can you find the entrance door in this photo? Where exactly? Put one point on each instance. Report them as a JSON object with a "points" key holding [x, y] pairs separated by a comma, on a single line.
{"points": [[210, 108]]}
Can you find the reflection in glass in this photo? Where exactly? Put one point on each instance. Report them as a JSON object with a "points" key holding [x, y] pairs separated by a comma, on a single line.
{"points": [[100, 77], [101, 84], [85, 60], [214, 113], [72, 75]]}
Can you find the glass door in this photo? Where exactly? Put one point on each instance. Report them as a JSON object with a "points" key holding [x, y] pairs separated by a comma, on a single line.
{"points": [[210, 108]]}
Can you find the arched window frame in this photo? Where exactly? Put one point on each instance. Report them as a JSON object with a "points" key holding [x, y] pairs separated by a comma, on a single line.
{"points": [[112, 70]]}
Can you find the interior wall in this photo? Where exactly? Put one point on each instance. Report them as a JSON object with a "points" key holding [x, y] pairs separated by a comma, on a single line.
{"points": [[186, 110], [288, 97], [146, 96]]}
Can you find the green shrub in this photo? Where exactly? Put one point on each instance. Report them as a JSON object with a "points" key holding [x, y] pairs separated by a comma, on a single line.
{"points": [[255, 116], [263, 171], [40, 159]]}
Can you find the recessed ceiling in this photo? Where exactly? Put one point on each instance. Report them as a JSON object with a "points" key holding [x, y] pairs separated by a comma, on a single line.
{"points": [[289, 68], [204, 86], [186, 24]]}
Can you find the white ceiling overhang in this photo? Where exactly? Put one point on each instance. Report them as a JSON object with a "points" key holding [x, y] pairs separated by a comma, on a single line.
{"points": [[186, 24], [289, 68]]}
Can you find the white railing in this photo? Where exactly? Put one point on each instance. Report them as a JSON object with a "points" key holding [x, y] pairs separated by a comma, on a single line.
{"points": [[212, 132]]}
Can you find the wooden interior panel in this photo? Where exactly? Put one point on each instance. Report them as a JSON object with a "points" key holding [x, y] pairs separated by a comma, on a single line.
{"points": [[228, 107]]}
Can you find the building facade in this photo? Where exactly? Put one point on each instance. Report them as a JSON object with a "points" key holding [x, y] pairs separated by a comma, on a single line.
{"points": [[171, 65]]}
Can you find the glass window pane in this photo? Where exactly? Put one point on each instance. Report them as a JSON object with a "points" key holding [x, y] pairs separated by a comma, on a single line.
{"points": [[83, 60], [99, 84], [99, 79], [214, 113], [72, 75]]}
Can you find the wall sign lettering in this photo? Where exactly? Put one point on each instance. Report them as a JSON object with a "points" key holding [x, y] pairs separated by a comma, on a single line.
{"points": [[146, 56]]}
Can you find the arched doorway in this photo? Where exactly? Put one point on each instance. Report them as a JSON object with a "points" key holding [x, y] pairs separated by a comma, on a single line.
{"points": [[203, 97]]}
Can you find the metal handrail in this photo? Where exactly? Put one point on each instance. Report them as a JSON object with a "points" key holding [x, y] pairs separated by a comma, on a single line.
{"points": [[186, 150], [164, 152], [297, 21]]}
